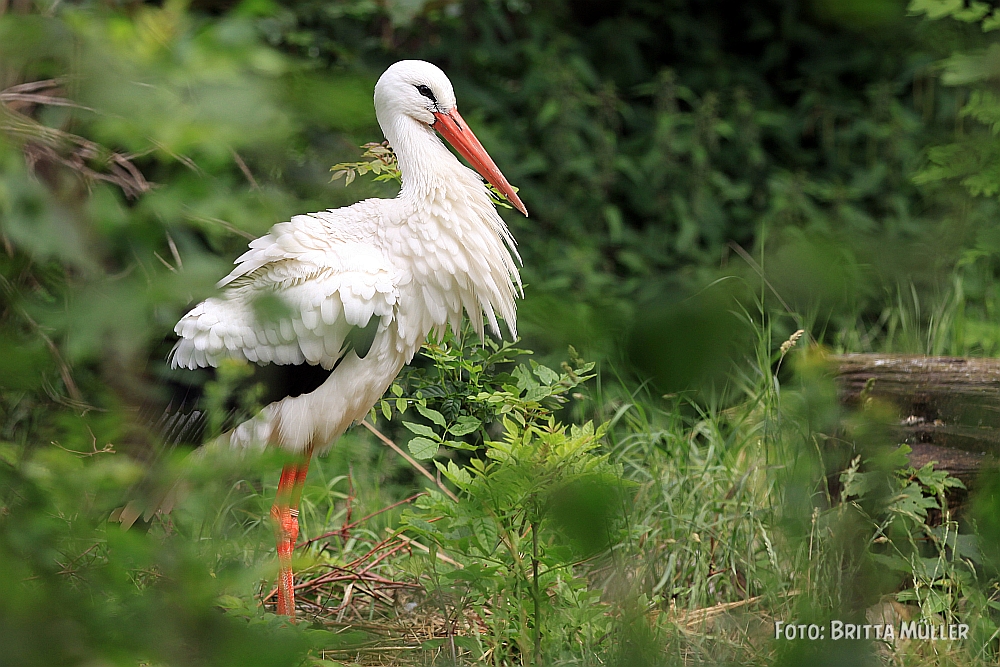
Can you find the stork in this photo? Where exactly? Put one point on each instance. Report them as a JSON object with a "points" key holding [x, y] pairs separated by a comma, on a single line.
{"points": [[365, 285]]}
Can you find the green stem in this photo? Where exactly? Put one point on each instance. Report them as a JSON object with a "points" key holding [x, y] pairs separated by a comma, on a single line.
{"points": [[536, 594]]}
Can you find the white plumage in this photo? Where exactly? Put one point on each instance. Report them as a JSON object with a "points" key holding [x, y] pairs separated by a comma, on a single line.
{"points": [[415, 263]]}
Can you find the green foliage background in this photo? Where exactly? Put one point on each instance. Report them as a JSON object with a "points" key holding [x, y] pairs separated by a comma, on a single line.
{"points": [[649, 135], [845, 151]]}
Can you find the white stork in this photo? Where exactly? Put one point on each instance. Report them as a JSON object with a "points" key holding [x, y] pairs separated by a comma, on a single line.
{"points": [[397, 268]]}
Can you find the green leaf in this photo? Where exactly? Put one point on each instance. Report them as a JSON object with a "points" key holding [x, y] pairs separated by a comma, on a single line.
{"points": [[537, 393], [459, 476], [230, 602], [524, 379], [458, 444], [433, 415], [426, 528], [545, 374], [992, 22], [935, 9], [962, 69], [976, 11], [892, 562], [422, 449], [465, 425], [420, 429], [8, 453], [469, 644]]}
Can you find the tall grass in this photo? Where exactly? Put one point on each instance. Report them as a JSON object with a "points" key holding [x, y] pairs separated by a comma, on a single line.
{"points": [[940, 321]]}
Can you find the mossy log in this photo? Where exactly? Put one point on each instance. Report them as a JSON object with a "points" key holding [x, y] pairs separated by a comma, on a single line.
{"points": [[949, 407]]}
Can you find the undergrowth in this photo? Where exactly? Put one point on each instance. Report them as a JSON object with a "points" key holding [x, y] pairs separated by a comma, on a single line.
{"points": [[567, 521], [534, 516]]}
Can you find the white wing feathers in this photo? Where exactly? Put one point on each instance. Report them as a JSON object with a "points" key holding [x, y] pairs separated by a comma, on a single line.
{"points": [[328, 271]]}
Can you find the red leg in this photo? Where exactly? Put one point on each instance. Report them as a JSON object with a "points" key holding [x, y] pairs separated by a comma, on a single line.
{"points": [[286, 518]]}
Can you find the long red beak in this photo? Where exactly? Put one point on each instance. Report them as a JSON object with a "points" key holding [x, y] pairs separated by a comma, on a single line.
{"points": [[453, 127]]}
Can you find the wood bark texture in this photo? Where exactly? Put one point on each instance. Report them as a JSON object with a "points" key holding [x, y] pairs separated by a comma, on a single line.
{"points": [[949, 407]]}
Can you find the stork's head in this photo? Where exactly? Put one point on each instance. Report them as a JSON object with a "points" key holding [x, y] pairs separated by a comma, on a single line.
{"points": [[414, 88], [421, 91]]}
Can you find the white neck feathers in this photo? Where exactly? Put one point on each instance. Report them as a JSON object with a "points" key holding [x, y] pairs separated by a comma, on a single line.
{"points": [[426, 165]]}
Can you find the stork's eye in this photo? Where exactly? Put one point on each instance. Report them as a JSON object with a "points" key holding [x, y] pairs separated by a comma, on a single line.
{"points": [[426, 92]]}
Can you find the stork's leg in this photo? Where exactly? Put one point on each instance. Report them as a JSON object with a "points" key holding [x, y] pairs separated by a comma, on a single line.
{"points": [[286, 519]]}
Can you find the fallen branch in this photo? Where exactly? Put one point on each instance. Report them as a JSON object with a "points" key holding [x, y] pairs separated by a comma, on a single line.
{"points": [[442, 557], [343, 529], [697, 616], [347, 573]]}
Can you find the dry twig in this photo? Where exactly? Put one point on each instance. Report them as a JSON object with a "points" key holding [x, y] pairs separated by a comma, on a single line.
{"points": [[41, 143], [409, 459]]}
